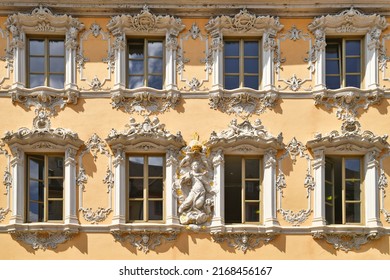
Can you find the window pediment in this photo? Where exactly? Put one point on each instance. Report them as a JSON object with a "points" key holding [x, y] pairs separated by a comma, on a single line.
{"points": [[245, 137], [349, 139], [42, 136], [149, 135]]}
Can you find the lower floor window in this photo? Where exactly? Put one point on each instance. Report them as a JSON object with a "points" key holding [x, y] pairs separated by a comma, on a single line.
{"points": [[343, 194], [146, 188], [45, 189], [242, 189]]}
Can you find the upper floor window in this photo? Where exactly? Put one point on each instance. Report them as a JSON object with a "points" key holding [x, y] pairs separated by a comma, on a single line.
{"points": [[45, 191], [241, 64], [146, 188], [343, 190], [343, 63], [46, 62], [242, 189], [145, 63]]}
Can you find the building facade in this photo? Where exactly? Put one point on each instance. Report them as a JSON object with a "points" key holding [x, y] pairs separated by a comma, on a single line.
{"points": [[194, 131]]}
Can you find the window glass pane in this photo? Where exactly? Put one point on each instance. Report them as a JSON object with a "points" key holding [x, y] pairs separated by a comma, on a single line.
{"points": [[56, 80], [328, 192], [155, 210], [136, 49], [252, 168], [352, 190], [136, 166], [353, 65], [56, 166], [332, 67], [36, 191], [332, 82], [136, 67], [155, 48], [352, 212], [332, 50], [155, 165], [155, 65], [328, 171], [252, 190], [352, 81], [136, 81], [352, 47], [36, 167], [136, 210], [251, 65], [155, 188], [251, 82], [231, 48], [136, 188], [329, 214], [251, 48], [232, 82], [36, 80], [57, 65], [155, 82], [37, 64], [37, 47], [233, 189], [55, 210], [56, 47], [232, 65], [252, 212], [35, 213], [352, 168], [56, 188]]}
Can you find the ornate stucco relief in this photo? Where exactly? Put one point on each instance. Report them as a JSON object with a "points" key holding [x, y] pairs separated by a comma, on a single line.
{"points": [[43, 240], [293, 83], [8, 58], [243, 241], [144, 240], [95, 84], [42, 21], [193, 83], [95, 145], [294, 149], [7, 181]]}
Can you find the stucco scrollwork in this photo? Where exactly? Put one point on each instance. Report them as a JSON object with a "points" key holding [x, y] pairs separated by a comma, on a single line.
{"points": [[347, 241], [243, 241], [348, 102], [194, 185], [144, 240], [95, 145], [7, 182], [242, 103], [43, 240]]}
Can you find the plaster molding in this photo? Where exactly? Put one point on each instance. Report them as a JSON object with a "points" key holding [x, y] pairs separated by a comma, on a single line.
{"points": [[348, 101], [145, 240], [145, 101], [242, 102], [95, 146], [243, 241], [347, 241], [43, 239], [7, 182], [8, 58], [149, 131]]}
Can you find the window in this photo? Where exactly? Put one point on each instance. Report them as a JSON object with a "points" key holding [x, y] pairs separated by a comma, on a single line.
{"points": [[343, 63], [146, 63], [343, 190], [45, 193], [46, 63], [241, 64], [242, 189], [146, 188]]}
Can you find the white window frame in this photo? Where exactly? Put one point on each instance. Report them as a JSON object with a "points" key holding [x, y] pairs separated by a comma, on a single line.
{"points": [[349, 23]]}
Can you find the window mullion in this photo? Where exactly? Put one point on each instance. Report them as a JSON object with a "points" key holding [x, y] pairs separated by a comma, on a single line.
{"points": [[146, 58], [146, 191], [243, 189], [46, 190], [241, 61]]}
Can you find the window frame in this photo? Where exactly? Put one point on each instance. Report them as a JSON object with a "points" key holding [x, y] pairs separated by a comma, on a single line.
{"points": [[341, 42], [244, 179], [145, 198], [46, 56], [344, 201], [46, 186], [241, 56], [146, 72]]}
